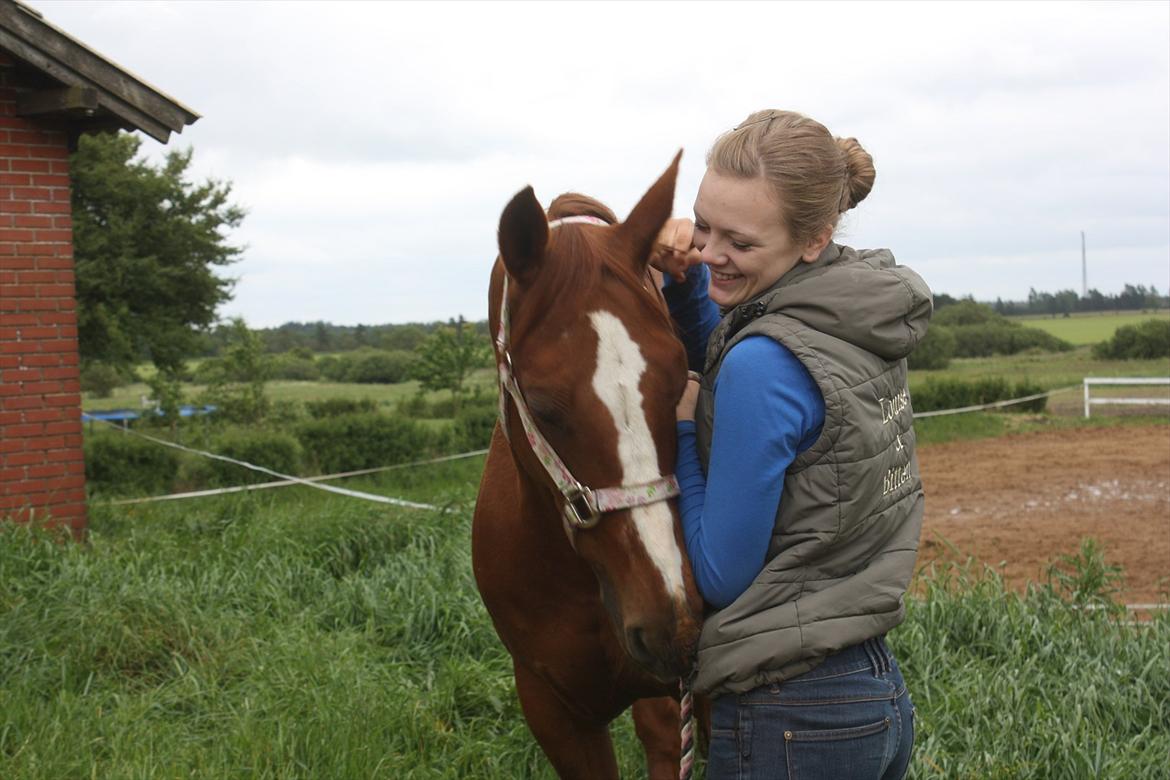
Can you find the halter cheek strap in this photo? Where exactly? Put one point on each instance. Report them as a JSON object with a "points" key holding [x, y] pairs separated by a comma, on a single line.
{"points": [[583, 506]]}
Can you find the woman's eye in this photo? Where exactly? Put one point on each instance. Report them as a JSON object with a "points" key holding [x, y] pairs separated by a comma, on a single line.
{"points": [[741, 247], [700, 227]]}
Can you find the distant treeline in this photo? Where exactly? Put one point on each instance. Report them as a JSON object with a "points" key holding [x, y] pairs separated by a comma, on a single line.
{"points": [[323, 337], [1131, 298]]}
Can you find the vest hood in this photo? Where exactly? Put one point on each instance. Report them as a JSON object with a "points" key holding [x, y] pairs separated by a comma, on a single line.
{"points": [[862, 297]]}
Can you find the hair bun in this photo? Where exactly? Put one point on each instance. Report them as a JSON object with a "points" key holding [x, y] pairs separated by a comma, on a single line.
{"points": [[859, 173]]}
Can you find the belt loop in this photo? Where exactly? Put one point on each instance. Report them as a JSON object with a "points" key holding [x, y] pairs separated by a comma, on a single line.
{"points": [[870, 653]]}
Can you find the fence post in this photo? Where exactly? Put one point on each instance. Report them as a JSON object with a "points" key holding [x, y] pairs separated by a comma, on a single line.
{"points": [[1086, 398]]}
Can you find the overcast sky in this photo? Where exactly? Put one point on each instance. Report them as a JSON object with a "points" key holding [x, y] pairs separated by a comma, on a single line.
{"points": [[375, 144]]}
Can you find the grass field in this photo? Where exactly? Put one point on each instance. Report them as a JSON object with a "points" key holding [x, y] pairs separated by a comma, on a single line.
{"points": [[130, 396], [292, 634], [1088, 327]]}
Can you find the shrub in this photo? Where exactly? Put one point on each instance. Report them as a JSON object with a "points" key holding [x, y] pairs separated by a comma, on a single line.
{"points": [[295, 367], [935, 351], [332, 407], [965, 313], [415, 406], [1002, 337], [936, 394], [381, 367], [362, 440], [125, 464], [100, 379], [332, 368], [474, 425], [1141, 341], [272, 449]]}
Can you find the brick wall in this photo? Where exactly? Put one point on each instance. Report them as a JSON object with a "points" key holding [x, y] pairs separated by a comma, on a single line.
{"points": [[42, 474]]}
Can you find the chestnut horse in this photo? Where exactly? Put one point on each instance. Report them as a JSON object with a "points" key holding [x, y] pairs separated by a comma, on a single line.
{"points": [[576, 542]]}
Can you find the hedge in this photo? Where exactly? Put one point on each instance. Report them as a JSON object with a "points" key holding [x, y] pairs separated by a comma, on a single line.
{"points": [[1141, 341], [362, 440], [125, 464], [935, 394], [274, 450]]}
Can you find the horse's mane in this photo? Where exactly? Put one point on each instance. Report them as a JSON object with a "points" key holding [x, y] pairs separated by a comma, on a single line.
{"points": [[561, 286]]}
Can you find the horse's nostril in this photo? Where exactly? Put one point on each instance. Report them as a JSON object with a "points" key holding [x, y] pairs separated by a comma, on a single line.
{"points": [[636, 643]]}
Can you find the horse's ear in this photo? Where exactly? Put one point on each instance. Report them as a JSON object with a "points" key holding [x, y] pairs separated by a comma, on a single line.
{"points": [[523, 235], [646, 220]]}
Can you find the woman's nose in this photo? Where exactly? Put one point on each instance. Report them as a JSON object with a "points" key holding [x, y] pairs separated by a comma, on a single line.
{"points": [[709, 256]]}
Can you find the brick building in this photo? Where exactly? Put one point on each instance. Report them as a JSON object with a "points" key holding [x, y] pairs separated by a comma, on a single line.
{"points": [[52, 89]]}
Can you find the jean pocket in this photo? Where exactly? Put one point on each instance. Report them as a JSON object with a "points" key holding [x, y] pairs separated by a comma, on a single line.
{"points": [[859, 751]]}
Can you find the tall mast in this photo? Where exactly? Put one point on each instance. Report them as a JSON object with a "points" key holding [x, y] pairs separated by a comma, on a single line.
{"points": [[1084, 269]]}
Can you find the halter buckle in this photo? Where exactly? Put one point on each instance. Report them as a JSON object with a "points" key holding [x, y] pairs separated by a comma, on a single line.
{"points": [[581, 508]]}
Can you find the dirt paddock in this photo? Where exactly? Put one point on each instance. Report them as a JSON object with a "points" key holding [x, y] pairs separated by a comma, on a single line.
{"points": [[1018, 502]]}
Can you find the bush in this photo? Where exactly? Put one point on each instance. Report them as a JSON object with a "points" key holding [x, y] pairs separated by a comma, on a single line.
{"points": [[935, 351], [124, 464], [295, 367], [272, 449], [332, 368], [474, 425], [332, 407], [936, 394], [980, 332], [383, 367], [965, 313], [101, 379], [1002, 337], [363, 440], [368, 366], [1142, 341]]}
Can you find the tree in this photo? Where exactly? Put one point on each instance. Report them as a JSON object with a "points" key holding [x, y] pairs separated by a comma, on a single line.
{"points": [[236, 382], [447, 357], [147, 242]]}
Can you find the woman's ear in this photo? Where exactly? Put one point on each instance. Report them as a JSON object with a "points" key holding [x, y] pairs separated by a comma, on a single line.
{"points": [[815, 245]]}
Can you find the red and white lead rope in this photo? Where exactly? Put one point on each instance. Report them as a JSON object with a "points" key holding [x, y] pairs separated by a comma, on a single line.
{"points": [[686, 716]]}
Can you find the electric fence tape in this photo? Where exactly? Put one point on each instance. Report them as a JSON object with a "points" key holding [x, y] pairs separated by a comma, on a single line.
{"points": [[286, 479], [996, 404]]}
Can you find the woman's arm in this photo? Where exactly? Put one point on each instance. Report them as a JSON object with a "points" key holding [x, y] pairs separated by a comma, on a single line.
{"points": [[767, 410], [693, 312]]}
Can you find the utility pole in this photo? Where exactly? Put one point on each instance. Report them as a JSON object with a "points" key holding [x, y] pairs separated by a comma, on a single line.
{"points": [[1084, 269]]}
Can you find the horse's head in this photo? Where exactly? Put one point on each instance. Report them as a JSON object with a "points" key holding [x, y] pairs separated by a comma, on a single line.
{"points": [[597, 365]]}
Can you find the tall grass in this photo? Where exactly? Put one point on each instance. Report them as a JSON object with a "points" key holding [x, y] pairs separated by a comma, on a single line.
{"points": [[294, 635]]}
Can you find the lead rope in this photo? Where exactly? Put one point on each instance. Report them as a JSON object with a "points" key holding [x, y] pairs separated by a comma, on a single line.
{"points": [[686, 716]]}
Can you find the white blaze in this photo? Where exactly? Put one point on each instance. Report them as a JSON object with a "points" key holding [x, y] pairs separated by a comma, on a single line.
{"points": [[620, 366]]}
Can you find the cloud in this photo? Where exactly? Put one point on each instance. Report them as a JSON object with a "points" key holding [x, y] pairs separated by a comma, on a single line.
{"points": [[374, 144]]}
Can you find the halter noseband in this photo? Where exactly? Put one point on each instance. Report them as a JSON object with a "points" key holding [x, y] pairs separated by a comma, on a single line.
{"points": [[583, 505]]}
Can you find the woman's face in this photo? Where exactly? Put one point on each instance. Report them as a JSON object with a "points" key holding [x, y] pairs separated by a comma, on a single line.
{"points": [[741, 236]]}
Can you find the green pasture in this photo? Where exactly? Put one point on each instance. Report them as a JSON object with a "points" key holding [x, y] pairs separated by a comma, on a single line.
{"points": [[294, 634], [1088, 327], [130, 396]]}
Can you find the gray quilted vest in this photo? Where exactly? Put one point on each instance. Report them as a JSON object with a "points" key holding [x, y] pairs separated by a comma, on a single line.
{"points": [[846, 534]]}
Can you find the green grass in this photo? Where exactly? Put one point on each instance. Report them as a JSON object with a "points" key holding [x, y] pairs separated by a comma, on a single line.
{"points": [[293, 634], [130, 396], [1048, 369], [1088, 327]]}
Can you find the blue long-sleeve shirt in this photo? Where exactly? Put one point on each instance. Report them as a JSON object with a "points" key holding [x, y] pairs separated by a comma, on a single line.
{"points": [[768, 410], [693, 312]]}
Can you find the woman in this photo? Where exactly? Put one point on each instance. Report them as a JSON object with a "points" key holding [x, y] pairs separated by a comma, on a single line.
{"points": [[801, 500]]}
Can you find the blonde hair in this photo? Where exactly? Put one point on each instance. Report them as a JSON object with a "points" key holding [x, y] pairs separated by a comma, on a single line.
{"points": [[816, 177]]}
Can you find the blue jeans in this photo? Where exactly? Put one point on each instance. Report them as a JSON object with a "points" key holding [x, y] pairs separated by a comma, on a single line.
{"points": [[849, 718]]}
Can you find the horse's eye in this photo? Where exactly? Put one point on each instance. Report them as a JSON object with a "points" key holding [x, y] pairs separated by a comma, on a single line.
{"points": [[547, 411]]}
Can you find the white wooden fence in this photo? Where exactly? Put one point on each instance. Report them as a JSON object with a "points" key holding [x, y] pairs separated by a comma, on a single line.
{"points": [[1091, 381]]}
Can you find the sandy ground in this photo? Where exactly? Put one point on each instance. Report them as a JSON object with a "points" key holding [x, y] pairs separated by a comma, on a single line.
{"points": [[1019, 502]]}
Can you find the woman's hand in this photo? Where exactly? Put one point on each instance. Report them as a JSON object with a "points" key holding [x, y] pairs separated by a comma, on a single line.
{"points": [[686, 405], [674, 251]]}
